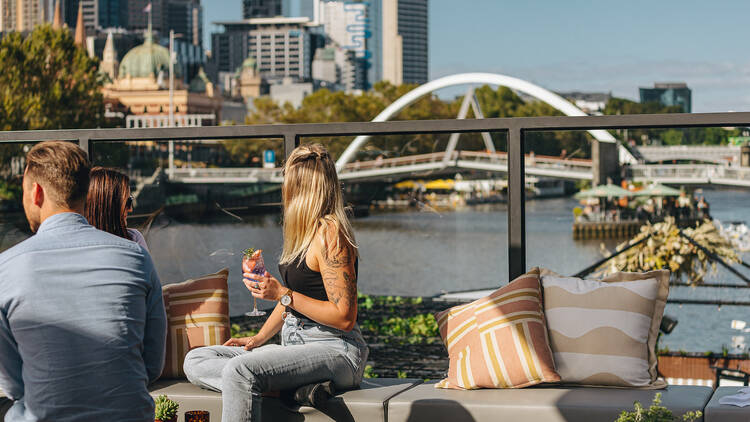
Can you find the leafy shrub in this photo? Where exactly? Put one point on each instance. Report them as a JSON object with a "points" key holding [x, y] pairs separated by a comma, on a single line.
{"points": [[655, 413]]}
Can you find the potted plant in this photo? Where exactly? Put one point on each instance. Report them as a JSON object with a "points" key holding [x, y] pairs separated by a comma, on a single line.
{"points": [[656, 413], [165, 410]]}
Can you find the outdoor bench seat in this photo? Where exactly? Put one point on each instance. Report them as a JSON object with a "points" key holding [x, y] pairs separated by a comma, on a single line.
{"points": [[716, 412], [368, 403], [399, 400], [425, 403]]}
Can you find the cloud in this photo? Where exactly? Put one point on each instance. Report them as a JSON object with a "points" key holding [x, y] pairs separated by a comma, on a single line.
{"points": [[717, 86]]}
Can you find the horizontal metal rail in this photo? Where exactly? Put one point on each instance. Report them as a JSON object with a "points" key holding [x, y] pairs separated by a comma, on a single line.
{"points": [[548, 123]]}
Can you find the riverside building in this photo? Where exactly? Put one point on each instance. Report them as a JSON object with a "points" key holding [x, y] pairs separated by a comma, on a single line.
{"points": [[669, 94]]}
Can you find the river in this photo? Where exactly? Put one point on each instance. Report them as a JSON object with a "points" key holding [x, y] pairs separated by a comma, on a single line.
{"points": [[423, 252]]}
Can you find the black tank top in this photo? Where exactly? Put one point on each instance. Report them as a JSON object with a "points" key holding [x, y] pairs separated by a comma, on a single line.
{"points": [[301, 279]]}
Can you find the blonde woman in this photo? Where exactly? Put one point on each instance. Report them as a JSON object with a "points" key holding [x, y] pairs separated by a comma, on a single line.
{"points": [[317, 309]]}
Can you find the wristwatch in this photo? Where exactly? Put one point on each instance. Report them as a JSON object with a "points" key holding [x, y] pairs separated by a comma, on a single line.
{"points": [[286, 299]]}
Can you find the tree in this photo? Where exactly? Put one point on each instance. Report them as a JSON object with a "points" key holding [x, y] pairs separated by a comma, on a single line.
{"points": [[677, 136], [47, 82], [326, 106]]}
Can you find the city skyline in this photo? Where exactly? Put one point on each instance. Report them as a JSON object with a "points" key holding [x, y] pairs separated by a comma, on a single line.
{"points": [[589, 46]]}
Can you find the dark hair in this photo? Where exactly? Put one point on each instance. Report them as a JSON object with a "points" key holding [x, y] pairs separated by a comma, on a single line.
{"points": [[62, 168], [106, 203]]}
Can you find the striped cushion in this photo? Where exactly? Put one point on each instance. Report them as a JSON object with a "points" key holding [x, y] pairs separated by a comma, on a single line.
{"points": [[198, 315], [499, 341], [602, 331]]}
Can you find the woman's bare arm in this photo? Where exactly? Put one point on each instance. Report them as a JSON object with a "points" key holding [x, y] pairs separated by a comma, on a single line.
{"points": [[336, 267], [270, 328]]}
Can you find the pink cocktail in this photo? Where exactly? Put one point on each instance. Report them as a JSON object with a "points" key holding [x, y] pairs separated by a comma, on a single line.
{"points": [[253, 261]]}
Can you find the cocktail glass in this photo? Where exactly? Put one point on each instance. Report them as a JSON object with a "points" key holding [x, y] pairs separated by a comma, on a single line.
{"points": [[254, 261]]}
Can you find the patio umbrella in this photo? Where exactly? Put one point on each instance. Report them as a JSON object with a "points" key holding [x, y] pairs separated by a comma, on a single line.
{"points": [[440, 184], [658, 190], [603, 191], [406, 184]]}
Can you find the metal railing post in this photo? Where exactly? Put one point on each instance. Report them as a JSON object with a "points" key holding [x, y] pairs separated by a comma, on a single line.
{"points": [[83, 143], [291, 141], [516, 204]]}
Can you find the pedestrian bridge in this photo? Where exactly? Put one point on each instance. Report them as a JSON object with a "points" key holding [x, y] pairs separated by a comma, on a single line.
{"points": [[403, 167], [691, 174], [719, 154], [440, 164]]}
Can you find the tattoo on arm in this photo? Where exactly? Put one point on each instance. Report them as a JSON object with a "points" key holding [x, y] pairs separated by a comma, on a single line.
{"points": [[329, 278], [336, 291], [351, 287], [337, 261]]}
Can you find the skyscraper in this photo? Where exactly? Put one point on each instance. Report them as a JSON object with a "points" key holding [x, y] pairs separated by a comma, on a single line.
{"points": [[404, 41], [185, 17], [90, 14], [138, 20], [261, 8], [113, 13], [23, 15], [281, 47], [346, 25], [412, 27]]}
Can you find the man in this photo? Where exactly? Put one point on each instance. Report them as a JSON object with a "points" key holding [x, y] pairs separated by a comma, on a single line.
{"points": [[82, 322]]}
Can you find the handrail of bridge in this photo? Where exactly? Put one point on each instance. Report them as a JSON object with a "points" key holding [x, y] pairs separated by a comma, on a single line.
{"points": [[692, 174], [516, 129]]}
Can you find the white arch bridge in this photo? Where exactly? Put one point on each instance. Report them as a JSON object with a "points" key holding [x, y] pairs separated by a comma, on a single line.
{"points": [[452, 159]]}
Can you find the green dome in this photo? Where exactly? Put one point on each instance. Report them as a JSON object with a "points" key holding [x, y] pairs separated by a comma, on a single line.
{"points": [[145, 60], [249, 62]]}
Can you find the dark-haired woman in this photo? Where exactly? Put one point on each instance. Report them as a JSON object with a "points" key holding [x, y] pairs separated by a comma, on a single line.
{"points": [[109, 202]]}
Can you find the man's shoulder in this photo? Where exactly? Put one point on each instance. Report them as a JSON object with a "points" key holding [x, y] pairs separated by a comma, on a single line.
{"points": [[82, 237]]}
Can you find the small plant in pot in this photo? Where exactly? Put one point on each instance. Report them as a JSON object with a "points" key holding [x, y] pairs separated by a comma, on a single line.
{"points": [[165, 409]]}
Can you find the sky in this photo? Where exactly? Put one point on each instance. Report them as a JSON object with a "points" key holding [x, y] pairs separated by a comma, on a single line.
{"points": [[589, 45]]}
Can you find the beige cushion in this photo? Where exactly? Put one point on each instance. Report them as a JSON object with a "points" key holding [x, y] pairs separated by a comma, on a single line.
{"points": [[716, 412], [198, 315], [499, 341], [603, 332], [364, 404], [424, 403]]}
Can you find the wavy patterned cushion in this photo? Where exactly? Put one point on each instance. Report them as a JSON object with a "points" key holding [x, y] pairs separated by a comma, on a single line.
{"points": [[499, 341], [603, 332], [198, 315]]}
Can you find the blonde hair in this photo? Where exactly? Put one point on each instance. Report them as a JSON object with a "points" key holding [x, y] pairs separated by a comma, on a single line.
{"points": [[312, 199]]}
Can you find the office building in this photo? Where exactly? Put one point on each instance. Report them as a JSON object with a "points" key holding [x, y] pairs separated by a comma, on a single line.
{"points": [[346, 29], [404, 41], [261, 8], [669, 94], [412, 28], [90, 14], [590, 102], [185, 18], [112, 14], [23, 15], [138, 20], [282, 47]]}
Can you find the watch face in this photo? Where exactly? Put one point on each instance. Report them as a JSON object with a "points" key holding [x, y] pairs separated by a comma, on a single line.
{"points": [[286, 300]]}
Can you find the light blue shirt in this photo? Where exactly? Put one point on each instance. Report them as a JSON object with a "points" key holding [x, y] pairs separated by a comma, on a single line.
{"points": [[82, 325]]}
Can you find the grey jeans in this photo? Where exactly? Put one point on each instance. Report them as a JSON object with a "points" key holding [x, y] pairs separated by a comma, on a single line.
{"points": [[310, 352]]}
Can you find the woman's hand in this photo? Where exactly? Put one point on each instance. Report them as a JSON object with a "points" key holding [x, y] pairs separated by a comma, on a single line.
{"points": [[263, 286], [248, 343]]}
